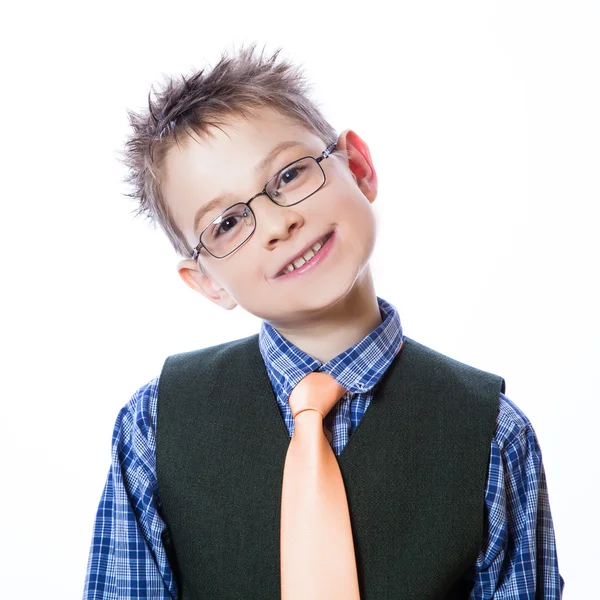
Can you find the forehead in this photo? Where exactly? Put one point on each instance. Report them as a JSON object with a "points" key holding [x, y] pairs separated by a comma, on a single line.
{"points": [[237, 140], [223, 162]]}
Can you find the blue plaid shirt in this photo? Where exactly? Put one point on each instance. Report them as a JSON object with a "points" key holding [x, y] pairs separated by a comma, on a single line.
{"points": [[517, 559]]}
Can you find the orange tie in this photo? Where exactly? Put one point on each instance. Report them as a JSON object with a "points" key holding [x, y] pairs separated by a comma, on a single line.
{"points": [[317, 550]]}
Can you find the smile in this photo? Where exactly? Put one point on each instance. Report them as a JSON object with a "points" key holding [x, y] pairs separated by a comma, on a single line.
{"points": [[309, 259]]}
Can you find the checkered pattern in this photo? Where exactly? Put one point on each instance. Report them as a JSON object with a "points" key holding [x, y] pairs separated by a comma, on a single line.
{"points": [[129, 553]]}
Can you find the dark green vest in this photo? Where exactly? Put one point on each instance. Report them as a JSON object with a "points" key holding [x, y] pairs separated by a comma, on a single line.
{"points": [[415, 471]]}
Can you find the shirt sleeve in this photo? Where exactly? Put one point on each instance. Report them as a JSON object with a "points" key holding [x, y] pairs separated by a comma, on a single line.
{"points": [[518, 559], [128, 557]]}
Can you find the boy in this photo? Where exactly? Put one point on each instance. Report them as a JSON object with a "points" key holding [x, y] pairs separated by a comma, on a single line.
{"points": [[271, 210]]}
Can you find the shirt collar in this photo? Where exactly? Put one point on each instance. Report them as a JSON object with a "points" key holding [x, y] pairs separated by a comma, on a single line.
{"points": [[358, 368]]}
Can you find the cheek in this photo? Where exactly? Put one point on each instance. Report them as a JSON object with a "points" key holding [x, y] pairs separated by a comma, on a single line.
{"points": [[352, 207], [359, 225], [241, 278]]}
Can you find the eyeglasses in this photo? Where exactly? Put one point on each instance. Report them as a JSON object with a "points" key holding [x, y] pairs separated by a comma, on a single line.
{"points": [[291, 185]]}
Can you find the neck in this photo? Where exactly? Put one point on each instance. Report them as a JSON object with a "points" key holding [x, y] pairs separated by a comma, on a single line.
{"points": [[343, 325]]}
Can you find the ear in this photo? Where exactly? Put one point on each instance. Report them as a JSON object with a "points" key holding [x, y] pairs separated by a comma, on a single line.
{"points": [[359, 162], [206, 285]]}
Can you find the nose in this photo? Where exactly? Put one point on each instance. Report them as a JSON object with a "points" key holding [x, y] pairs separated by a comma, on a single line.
{"points": [[274, 222]]}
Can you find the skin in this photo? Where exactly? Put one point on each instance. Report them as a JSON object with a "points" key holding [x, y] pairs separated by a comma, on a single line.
{"points": [[323, 312]]}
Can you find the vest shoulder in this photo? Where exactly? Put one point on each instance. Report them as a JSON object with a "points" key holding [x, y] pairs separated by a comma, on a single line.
{"points": [[211, 356], [435, 362]]}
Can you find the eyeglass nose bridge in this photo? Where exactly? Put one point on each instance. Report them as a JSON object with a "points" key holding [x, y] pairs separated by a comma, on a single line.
{"points": [[263, 193], [247, 203]]}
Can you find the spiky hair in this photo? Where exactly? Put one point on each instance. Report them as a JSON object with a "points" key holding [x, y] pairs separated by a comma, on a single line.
{"points": [[234, 86]]}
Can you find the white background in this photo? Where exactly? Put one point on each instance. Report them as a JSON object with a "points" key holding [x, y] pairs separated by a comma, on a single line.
{"points": [[483, 122]]}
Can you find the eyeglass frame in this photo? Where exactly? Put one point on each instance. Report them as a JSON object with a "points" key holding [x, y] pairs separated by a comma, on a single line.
{"points": [[325, 154]]}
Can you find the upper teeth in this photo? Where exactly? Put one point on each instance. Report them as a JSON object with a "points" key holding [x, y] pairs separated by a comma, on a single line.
{"points": [[305, 257]]}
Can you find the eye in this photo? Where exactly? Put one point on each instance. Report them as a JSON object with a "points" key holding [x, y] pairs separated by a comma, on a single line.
{"points": [[290, 174], [226, 224]]}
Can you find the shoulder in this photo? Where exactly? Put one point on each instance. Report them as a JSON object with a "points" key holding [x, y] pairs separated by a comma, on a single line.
{"points": [[437, 358], [136, 421], [185, 368], [513, 427], [434, 365]]}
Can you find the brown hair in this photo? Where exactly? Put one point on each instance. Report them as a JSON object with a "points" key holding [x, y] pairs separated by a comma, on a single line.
{"points": [[234, 86]]}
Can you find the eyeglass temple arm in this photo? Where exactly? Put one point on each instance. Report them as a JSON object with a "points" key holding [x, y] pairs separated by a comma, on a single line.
{"points": [[327, 152]]}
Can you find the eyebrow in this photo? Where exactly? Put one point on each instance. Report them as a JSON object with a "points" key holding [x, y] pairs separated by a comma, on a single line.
{"points": [[267, 160], [214, 203]]}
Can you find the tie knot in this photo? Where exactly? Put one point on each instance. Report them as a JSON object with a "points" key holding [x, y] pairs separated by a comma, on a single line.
{"points": [[319, 391]]}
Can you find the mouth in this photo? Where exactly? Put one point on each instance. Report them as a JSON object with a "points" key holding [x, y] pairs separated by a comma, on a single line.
{"points": [[310, 257]]}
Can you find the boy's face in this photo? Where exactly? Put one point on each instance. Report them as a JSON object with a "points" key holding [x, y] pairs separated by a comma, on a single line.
{"points": [[224, 164]]}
